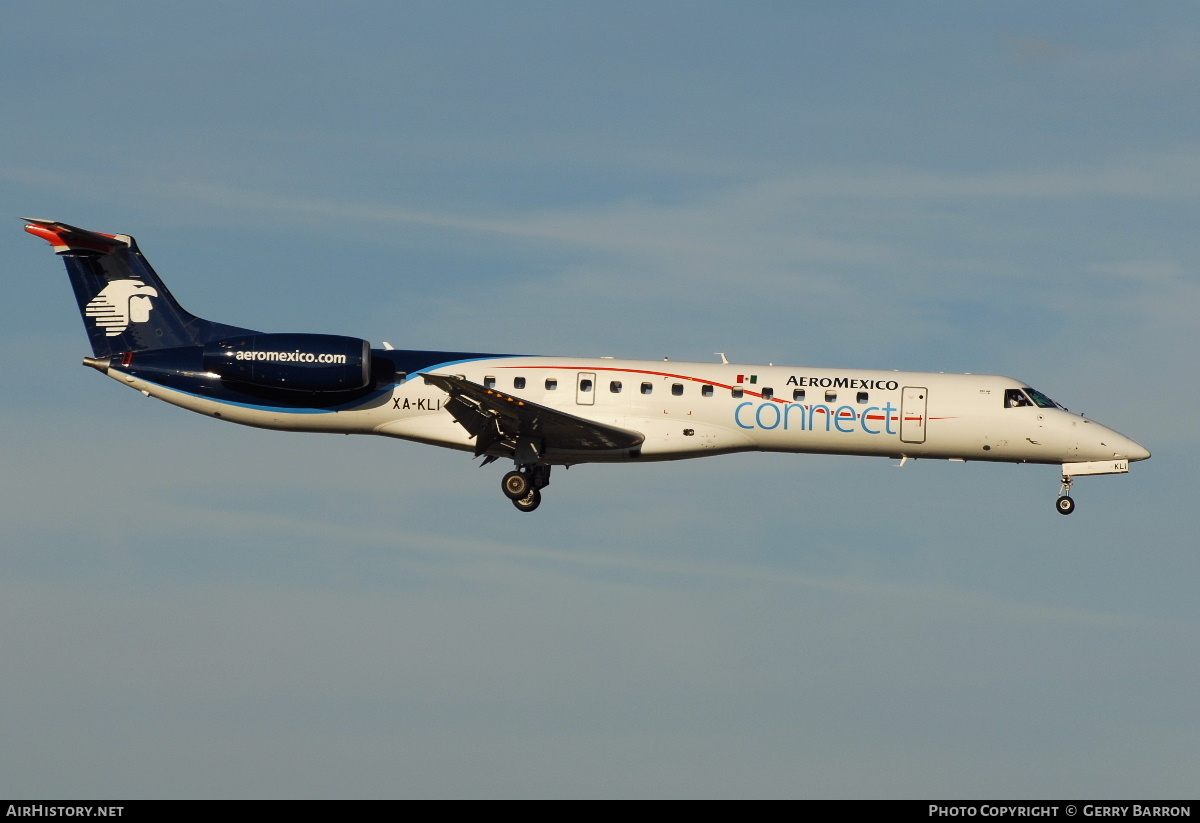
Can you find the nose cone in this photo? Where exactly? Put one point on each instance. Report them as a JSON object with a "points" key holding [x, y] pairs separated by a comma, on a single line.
{"points": [[1137, 451], [1121, 446], [1097, 442]]}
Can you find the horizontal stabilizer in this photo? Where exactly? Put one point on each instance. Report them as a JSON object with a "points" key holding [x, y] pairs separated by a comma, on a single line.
{"points": [[65, 238]]}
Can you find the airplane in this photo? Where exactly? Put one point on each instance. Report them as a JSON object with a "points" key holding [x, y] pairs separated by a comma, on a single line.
{"points": [[540, 411]]}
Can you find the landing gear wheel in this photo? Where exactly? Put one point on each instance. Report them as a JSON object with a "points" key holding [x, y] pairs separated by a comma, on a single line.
{"points": [[529, 502], [516, 486], [1065, 505]]}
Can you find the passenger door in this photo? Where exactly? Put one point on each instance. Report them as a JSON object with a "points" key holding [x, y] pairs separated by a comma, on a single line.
{"points": [[912, 414]]}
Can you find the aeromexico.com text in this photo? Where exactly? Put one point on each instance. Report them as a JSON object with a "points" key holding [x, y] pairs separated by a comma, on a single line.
{"points": [[289, 356]]}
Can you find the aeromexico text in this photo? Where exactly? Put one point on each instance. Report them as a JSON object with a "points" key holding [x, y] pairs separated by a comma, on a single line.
{"points": [[287, 356], [842, 383]]}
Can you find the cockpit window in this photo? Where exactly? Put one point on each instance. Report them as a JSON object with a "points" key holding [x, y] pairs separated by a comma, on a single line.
{"points": [[1042, 400], [1015, 398]]}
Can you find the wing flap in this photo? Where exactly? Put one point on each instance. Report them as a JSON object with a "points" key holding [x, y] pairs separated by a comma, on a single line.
{"points": [[499, 420]]}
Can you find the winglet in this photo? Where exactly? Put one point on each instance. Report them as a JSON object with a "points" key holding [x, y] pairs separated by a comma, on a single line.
{"points": [[66, 238]]}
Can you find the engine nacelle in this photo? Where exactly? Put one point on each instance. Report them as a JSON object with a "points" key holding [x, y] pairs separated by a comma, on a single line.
{"points": [[293, 362]]}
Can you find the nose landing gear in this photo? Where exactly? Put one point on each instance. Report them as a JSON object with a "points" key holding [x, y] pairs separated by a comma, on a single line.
{"points": [[524, 486], [1065, 504]]}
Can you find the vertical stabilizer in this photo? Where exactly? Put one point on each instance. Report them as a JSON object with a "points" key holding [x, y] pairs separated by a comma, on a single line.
{"points": [[124, 304]]}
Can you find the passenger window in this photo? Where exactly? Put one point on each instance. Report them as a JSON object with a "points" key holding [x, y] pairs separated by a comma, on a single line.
{"points": [[401, 376], [551, 383], [518, 382], [615, 387], [830, 397], [706, 390], [677, 389], [647, 388], [768, 394], [585, 385], [797, 394], [489, 382], [862, 397], [736, 393]]}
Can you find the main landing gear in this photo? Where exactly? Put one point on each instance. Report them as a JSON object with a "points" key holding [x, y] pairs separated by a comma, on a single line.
{"points": [[1065, 504], [523, 486]]}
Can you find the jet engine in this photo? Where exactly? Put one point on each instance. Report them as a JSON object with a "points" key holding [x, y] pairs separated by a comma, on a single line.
{"points": [[293, 362]]}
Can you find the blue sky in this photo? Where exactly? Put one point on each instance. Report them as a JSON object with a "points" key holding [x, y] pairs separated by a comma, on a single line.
{"points": [[192, 609]]}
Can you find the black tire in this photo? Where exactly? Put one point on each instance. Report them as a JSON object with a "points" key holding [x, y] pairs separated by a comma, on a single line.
{"points": [[515, 485], [529, 502], [1065, 505]]}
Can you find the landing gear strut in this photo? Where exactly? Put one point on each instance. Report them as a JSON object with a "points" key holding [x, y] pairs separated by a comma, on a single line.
{"points": [[523, 486], [1065, 504]]}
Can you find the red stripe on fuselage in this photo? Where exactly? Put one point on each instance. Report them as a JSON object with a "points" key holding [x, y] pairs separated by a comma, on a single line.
{"points": [[694, 380], [647, 371]]}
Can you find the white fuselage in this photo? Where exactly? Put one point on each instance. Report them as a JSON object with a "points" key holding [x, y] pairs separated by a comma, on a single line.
{"points": [[697, 409]]}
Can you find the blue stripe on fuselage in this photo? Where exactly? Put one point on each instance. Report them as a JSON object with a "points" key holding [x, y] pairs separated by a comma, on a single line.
{"points": [[409, 362]]}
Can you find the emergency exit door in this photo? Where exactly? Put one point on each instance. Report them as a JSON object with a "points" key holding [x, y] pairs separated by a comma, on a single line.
{"points": [[585, 388]]}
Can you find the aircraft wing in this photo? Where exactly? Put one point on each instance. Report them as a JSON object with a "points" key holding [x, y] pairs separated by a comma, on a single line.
{"points": [[494, 418]]}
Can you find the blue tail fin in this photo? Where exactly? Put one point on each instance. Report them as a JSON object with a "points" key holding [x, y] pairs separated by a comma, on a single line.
{"points": [[125, 306]]}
